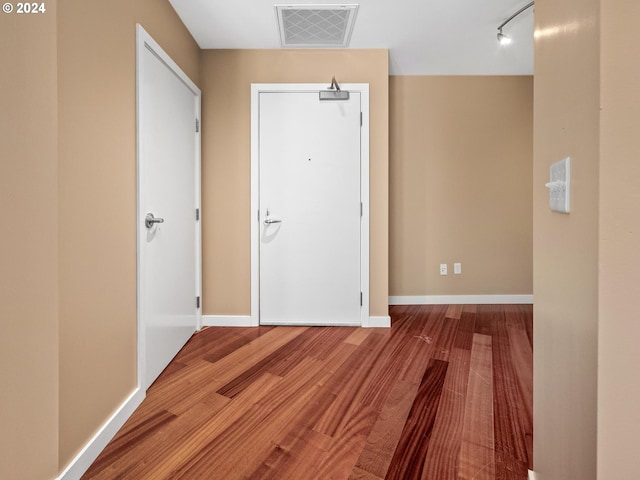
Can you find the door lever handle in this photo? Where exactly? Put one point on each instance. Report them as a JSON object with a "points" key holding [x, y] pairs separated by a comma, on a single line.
{"points": [[268, 220], [149, 220]]}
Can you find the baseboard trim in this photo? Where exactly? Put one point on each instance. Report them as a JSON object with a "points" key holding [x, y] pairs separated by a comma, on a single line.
{"points": [[245, 321], [460, 299], [226, 321], [532, 476], [81, 463], [379, 322]]}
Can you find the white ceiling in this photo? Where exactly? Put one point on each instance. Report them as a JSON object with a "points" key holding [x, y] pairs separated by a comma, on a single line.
{"points": [[424, 37]]}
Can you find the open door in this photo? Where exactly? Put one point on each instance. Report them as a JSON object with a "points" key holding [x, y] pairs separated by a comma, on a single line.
{"points": [[168, 205]]}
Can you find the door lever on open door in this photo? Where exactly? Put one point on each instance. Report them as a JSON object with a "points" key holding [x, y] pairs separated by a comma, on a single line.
{"points": [[149, 220], [268, 220]]}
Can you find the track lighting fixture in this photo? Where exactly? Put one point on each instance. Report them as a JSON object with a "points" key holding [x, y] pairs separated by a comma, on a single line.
{"points": [[505, 39], [502, 38]]}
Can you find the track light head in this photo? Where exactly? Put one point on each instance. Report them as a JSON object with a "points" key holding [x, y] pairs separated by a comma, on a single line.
{"points": [[502, 38]]}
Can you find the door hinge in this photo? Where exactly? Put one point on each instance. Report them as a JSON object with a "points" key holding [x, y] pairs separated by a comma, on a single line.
{"points": [[197, 125], [360, 118], [197, 214], [361, 209], [360, 298], [197, 302]]}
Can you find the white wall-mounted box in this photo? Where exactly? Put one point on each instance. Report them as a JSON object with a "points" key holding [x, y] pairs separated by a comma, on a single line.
{"points": [[559, 185]]}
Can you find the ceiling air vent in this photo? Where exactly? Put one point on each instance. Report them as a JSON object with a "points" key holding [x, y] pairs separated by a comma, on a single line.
{"points": [[316, 25]]}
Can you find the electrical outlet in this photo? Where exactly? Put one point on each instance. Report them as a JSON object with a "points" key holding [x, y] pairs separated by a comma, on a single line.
{"points": [[457, 268], [443, 269]]}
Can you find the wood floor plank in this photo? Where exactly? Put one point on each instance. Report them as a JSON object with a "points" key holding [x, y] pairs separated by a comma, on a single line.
{"points": [[213, 343], [477, 458], [510, 422], [470, 308], [358, 335], [165, 460], [285, 461], [476, 462], [508, 468], [446, 339], [454, 311], [134, 461], [348, 385], [409, 457], [359, 474], [444, 446], [277, 362], [253, 431], [346, 448], [485, 318], [230, 345], [432, 318], [299, 448], [325, 340], [222, 457], [188, 386], [184, 388], [128, 440], [237, 362], [168, 372], [526, 314], [398, 356], [378, 452], [443, 394], [522, 359], [466, 328]]}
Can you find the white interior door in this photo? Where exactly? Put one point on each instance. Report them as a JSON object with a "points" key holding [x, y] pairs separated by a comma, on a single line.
{"points": [[168, 189], [309, 209]]}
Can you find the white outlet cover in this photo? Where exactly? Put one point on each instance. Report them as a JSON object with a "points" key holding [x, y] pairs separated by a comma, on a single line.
{"points": [[560, 186]]}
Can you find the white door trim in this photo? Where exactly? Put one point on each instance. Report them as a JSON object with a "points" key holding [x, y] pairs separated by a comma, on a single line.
{"points": [[256, 89], [144, 41]]}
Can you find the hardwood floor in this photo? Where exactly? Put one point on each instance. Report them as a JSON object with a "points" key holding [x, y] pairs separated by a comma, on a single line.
{"points": [[446, 393]]}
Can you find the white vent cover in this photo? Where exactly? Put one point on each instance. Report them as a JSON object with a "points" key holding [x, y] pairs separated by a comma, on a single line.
{"points": [[316, 25]]}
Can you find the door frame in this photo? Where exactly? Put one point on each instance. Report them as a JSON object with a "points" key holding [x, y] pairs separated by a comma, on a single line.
{"points": [[145, 42], [256, 90]]}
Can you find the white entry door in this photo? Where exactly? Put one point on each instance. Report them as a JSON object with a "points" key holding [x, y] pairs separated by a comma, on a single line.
{"points": [[309, 209], [168, 196]]}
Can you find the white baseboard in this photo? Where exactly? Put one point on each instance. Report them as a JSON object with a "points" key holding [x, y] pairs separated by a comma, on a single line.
{"points": [[379, 322], [460, 299], [245, 321], [226, 321], [532, 476], [92, 449]]}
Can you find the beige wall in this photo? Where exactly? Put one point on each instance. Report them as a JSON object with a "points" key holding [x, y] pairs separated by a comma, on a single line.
{"points": [[97, 178], [565, 281], [460, 183], [227, 76], [28, 247], [619, 325]]}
